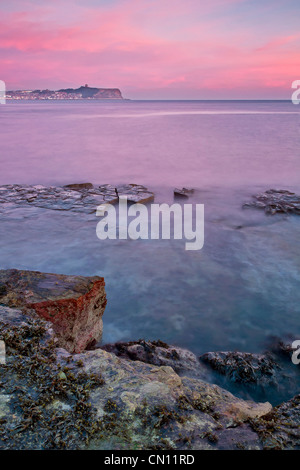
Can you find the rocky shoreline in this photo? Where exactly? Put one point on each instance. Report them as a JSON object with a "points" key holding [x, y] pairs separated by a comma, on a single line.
{"points": [[82, 197], [56, 394], [85, 197]]}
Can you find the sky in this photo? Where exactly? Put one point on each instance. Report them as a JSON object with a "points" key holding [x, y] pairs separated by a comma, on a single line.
{"points": [[153, 49]]}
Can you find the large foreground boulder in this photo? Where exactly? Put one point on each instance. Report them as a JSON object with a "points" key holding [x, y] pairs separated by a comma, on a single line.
{"points": [[50, 399], [73, 304]]}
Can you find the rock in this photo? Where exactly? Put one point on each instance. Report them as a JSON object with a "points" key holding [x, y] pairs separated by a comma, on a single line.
{"points": [[135, 193], [184, 192], [79, 186], [242, 367], [11, 316], [280, 429], [269, 376], [108, 93], [81, 197], [2, 352], [50, 399], [276, 201], [156, 408], [4, 405], [14, 320], [282, 347], [158, 353], [73, 304]]}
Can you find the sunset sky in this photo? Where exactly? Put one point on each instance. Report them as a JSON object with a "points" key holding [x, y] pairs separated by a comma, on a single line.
{"points": [[153, 49]]}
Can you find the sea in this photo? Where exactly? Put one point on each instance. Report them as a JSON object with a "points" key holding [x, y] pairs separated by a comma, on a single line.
{"points": [[241, 290]]}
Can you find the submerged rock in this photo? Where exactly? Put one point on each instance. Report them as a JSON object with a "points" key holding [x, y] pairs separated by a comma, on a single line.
{"points": [[269, 376], [73, 304], [282, 347], [276, 201], [79, 186], [135, 193], [242, 367], [184, 192]]}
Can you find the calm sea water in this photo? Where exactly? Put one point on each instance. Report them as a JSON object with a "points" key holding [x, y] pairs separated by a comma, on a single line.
{"points": [[241, 289]]}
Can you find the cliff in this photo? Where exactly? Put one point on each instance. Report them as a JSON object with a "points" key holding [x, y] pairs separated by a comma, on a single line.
{"points": [[95, 93]]}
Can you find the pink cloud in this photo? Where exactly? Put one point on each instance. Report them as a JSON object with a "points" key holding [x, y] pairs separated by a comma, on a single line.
{"points": [[127, 45]]}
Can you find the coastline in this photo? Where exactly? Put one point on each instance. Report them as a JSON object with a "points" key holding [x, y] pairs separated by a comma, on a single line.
{"points": [[137, 395]]}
